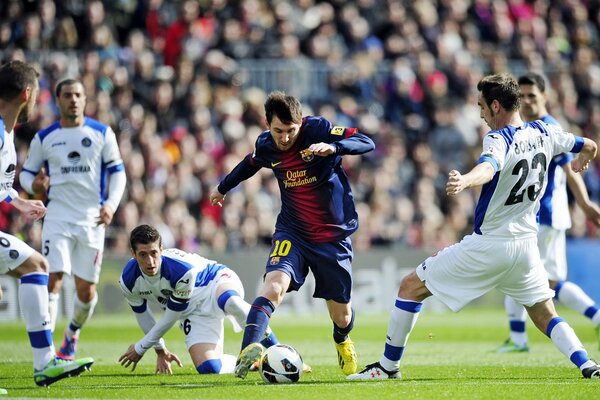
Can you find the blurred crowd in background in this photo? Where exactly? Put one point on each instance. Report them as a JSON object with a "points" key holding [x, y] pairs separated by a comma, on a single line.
{"points": [[177, 82]]}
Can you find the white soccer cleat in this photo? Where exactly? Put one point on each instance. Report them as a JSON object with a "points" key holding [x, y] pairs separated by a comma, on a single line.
{"points": [[374, 372]]}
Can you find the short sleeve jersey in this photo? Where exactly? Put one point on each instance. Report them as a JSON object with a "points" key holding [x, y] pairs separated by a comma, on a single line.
{"points": [[508, 204]]}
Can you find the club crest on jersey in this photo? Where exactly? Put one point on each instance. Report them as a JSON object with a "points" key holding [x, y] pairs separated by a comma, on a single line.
{"points": [[13, 254], [338, 130], [307, 155], [274, 261], [86, 142]]}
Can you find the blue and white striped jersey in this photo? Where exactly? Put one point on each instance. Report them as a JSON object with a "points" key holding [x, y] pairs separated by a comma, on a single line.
{"points": [[183, 283], [554, 205], [78, 161], [508, 204]]}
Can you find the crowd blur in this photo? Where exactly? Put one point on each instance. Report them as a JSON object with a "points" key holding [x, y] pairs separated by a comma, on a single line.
{"points": [[170, 78]]}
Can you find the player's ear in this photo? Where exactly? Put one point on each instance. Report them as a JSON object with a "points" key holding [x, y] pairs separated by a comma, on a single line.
{"points": [[267, 125], [26, 94]]}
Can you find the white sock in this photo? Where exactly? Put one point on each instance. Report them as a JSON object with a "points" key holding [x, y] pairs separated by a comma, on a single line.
{"points": [[402, 320], [81, 313], [227, 363], [238, 308], [575, 298], [568, 343], [53, 299], [517, 316], [33, 301]]}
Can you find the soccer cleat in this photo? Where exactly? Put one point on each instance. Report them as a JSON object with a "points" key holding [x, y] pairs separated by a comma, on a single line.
{"points": [[58, 369], [374, 372], [591, 372], [597, 329], [68, 348], [510, 347], [347, 356], [251, 354], [3, 391]]}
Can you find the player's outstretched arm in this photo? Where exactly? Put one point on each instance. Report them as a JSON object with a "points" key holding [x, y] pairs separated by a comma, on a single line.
{"points": [[164, 358], [481, 174], [588, 153]]}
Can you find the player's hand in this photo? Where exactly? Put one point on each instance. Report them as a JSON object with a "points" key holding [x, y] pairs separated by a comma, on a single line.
{"points": [[164, 358], [580, 164], [456, 183], [41, 182], [322, 149], [592, 212], [106, 215], [130, 358], [216, 198], [30, 209]]}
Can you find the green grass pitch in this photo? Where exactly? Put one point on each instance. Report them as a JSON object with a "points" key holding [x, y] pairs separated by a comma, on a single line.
{"points": [[449, 356]]}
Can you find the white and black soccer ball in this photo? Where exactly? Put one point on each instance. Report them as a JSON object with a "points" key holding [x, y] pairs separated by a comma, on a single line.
{"points": [[280, 363]]}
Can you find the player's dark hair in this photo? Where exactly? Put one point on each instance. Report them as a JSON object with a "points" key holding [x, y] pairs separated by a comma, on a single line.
{"points": [[503, 88], [533, 79], [63, 83], [16, 76], [144, 234], [287, 108]]}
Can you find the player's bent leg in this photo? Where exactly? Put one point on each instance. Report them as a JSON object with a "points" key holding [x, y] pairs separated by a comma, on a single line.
{"points": [[251, 353], [374, 372], [342, 316], [58, 369]]}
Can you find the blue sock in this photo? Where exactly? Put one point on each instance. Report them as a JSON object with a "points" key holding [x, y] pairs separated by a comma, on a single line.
{"points": [[269, 340], [257, 321], [341, 334], [212, 366]]}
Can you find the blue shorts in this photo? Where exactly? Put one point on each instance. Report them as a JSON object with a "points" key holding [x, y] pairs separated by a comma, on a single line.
{"points": [[330, 263]]}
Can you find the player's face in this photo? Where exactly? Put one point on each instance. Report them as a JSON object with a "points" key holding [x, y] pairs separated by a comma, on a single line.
{"points": [[71, 101], [27, 110], [284, 135], [148, 257], [533, 102], [486, 113]]}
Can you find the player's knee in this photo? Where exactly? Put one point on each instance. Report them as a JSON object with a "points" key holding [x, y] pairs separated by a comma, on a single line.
{"points": [[212, 366], [34, 264]]}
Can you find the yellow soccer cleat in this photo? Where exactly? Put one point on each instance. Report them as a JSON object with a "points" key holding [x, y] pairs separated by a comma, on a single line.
{"points": [[250, 355], [347, 357]]}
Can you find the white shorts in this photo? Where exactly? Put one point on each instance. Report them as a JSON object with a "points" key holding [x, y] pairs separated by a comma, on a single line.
{"points": [[74, 249], [553, 251], [469, 269], [205, 323], [13, 252]]}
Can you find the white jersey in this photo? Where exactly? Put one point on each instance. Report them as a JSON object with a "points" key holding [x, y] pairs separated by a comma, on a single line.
{"points": [[554, 205], [8, 163], [77, 160], [186, 277], [508, 204]]}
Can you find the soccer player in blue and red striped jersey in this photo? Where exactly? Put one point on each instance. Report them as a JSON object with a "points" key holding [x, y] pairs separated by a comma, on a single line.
{"points": [[316, 219]]}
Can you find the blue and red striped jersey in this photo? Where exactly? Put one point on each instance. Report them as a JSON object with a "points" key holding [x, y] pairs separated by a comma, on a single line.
{"points": [[316, 198]]}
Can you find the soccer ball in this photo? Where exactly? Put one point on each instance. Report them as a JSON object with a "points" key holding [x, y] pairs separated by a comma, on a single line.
{"points": [[280, 363]]}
